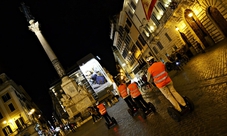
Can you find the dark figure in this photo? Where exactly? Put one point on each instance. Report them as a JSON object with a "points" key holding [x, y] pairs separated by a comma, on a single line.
{"points": [[104, 113], [122, 89], [94, 113], [26, 12], [156, 72], [137, 97]]}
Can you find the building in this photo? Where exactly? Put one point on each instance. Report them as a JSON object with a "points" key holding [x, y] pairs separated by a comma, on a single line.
{"points": [[173, 25], [18, 114]]}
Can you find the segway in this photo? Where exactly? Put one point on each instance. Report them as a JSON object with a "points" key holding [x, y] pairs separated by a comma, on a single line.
{"points": [[151, 109], [132, 112], [112, 123], [176, 115]]}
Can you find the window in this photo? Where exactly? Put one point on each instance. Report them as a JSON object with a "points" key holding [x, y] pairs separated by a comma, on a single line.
{"points": [[6, 97], [20, 123], [160, 5], [133, 5], [159, 44], [124, 54], [7, 130], [127, 40], [11, 107], [134, 49], [155, 50], [128, 22], [130, 13], [139, 45], [155, 20], [168, 37], [142, 40], [127, 29], [1, 117]]}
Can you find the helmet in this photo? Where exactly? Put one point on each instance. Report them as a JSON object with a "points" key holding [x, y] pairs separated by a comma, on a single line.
{"points": [[149, 58]]}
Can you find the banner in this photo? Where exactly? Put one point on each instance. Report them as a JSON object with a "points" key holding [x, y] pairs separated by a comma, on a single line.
{"points": [[148, 6]]}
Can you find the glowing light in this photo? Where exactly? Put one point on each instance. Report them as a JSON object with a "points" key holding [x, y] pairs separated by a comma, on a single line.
{"points": [[190, 14], [147, 34], [159, 17], [151, 28], [31, 111]]}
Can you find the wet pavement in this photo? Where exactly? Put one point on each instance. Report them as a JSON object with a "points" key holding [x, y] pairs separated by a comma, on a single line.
{"points": [[203, 80]]}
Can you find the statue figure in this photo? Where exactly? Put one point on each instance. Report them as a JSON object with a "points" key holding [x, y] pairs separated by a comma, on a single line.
{"points": [[66, 100], [26, 12]]}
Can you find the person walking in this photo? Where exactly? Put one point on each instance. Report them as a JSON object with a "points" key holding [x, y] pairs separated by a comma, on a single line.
{"points": [[122, 89], [137, 97], [157, 73], [95, 114]]}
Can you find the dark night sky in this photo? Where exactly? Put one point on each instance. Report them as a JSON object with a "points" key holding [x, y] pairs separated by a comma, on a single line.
{"points": [[73, 28]]}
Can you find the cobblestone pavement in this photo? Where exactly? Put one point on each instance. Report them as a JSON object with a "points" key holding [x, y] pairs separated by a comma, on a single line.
{"points": [[203, 80]]}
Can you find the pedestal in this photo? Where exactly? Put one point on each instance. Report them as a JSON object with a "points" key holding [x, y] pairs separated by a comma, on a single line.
{"points": [[79, 97]]}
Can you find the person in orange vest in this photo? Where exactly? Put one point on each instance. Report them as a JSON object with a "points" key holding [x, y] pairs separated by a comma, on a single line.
{"points": [[123, 92], [157, 73], [134, 91], [103, 112]]}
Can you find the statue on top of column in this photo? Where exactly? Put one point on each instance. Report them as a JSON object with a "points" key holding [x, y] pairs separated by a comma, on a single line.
{"points": [[26, 11]]}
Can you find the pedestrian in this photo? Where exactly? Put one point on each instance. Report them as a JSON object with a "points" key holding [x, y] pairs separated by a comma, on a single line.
{"points": [[95, 114], [122, 89], [134, 91], [157, 73], [103, 112]]}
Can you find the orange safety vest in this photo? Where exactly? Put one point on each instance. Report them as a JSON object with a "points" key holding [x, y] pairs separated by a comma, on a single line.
{"points": [[123, 90], [160, 76], [134, 90], [101, 108]]}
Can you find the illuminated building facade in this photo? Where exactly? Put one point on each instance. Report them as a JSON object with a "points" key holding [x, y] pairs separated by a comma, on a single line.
{"points": [[173, 25], [17, 112]]}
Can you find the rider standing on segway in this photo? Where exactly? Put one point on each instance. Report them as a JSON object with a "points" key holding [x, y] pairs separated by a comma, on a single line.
{"points": [[157, 72], [137, 97], [122, 89], [103, 112]]}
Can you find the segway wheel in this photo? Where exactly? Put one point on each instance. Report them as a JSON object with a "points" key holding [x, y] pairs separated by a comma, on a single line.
{"points": [[152, 107], [107, 125], [114, 120], [130, 112], [142, 113], [174, 114], [189, 103]]}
